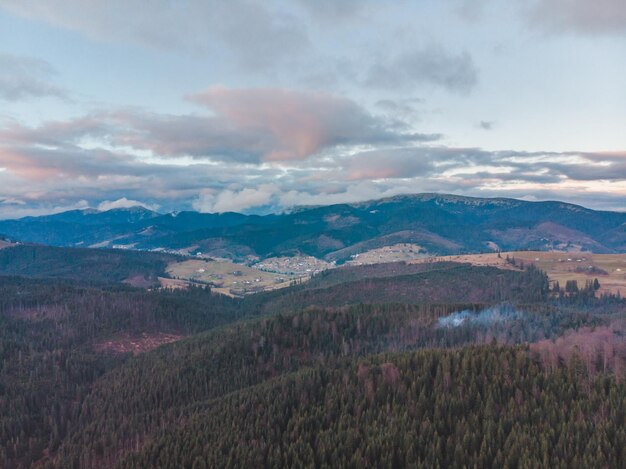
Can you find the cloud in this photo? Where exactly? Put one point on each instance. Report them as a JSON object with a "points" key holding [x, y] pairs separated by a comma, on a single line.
{"points": [[588, 17], [266, 150], [245, 125], [431, 65], [232, 200], [399, 108], [292, 124], [332, 10], [26, 77], [301, 41], [125, 203], [13, 209], [390, 164], [468, 171], [55, 151], [358, 192], [595, 17], [257, 33], [275, 198], [470, 10]]}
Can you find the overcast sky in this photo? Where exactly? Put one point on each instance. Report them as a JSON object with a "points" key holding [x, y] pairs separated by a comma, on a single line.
{"points": [[258, 106]]}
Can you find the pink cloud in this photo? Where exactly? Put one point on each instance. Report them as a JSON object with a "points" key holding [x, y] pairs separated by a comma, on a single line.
{"points": [[298, 124], [23, 166], [584, 16], [245, 125], [372, 173]]}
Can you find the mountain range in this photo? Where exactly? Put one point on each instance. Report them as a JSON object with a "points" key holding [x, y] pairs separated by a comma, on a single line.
{"points": [[438, 223]]}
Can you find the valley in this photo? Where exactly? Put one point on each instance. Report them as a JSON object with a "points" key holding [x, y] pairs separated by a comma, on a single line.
{"points": [[238, 279], [226, 277]]}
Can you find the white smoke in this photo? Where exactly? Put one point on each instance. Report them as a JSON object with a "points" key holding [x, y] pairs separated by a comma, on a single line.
{"points": [[486, 317]]}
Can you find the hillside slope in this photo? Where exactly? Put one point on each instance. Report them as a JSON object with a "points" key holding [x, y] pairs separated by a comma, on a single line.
{"points": [[475, 407]]}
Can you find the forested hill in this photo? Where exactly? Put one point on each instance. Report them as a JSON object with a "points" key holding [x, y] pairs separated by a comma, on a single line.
{"points": [[85, 265], [364, 366], [437, 223], [438, 283], [162, 396], [476, 407]]}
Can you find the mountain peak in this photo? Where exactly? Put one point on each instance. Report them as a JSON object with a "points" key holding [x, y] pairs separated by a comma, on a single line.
{"points": [[134, 209], [441, 198]]}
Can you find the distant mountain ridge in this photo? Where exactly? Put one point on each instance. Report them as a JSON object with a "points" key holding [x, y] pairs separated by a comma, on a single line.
{"points": [[439, 223]]}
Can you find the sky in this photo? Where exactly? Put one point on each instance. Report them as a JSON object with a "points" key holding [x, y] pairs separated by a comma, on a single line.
{"points": [[259, 106]]}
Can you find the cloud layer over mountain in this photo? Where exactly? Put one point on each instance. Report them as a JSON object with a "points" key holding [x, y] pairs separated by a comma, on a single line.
{"points": [[259, 106]]}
